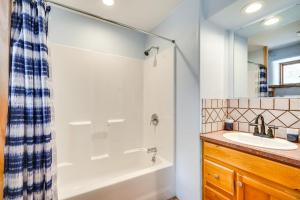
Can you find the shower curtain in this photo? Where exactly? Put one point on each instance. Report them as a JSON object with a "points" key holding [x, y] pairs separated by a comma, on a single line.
{"points": [[263, 86], [28, 172]]}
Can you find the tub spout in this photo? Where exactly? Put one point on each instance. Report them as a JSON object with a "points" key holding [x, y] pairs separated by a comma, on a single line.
{"points": [[154, 151]]}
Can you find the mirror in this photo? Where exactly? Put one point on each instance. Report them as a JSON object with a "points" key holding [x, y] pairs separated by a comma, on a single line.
{"points": [[267, 56]]}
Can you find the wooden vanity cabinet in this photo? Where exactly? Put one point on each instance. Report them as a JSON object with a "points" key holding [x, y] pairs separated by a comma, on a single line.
{"points": [[233, 175]]}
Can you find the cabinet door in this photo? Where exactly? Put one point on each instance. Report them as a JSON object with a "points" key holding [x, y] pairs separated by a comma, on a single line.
{"points": [[248, 188]]}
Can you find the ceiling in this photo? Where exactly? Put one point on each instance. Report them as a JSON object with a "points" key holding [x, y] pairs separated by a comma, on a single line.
{"points": [[143, 14], [286, 17], [277, 35], [231, 17], [251, 26]]}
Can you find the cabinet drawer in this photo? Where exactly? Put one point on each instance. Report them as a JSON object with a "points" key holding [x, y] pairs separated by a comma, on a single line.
{"points": [[211, 194], [219, 176]]}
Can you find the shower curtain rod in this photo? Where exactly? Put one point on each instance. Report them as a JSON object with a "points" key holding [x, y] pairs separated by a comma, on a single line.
{"points": [[254, 62], [108, 20]]}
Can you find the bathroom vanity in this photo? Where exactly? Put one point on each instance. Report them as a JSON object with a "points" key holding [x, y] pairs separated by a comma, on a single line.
{"points": [[233, 170]]}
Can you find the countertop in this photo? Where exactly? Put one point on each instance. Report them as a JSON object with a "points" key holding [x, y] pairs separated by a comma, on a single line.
{"points": [[290, 157]]}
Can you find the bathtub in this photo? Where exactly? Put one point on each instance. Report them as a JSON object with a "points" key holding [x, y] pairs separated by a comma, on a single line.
{"points": [[129, 176]]}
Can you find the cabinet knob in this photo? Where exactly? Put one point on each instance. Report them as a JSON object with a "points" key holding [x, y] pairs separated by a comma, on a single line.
{"points": [[239, 184], [216, 176]]}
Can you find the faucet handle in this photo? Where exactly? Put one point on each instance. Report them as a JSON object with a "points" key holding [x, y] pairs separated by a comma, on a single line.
{"points": [[270, 133], [256, 131], [273, 127]]}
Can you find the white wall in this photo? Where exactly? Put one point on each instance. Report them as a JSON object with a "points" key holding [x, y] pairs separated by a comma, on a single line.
{"points": [[240, 67], [253, 80], [215, 69], [183, 26], [257, 56]]}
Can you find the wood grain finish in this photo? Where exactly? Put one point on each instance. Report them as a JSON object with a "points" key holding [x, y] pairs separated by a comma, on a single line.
{"points": [[250, 188], [254, 178], [211, 194], [291, 158], [266, 56], [264, 168], [219, 176], [4, 62]]}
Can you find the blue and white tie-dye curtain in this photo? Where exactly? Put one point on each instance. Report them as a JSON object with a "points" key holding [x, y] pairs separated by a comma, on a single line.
{"points": [[263, 85], [28, 148]]}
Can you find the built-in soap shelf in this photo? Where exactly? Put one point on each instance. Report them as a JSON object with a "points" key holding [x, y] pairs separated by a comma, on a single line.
{"points": [[103, 156], [64, 164], [80, 123], [115, 121], [135, 150], [84, 123], [130, 151], [100, 157]]}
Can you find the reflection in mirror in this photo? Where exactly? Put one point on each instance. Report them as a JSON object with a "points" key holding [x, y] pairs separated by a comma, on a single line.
{"points": [[271, 64]]}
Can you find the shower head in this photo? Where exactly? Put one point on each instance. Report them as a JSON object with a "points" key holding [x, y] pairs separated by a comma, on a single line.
{"points": [[147, 52]]}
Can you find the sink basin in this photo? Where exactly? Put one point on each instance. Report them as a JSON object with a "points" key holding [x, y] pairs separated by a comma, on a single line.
{"points": [[246, 138]]}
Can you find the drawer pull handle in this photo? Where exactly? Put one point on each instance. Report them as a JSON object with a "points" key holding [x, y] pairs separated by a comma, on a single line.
{"points": [[216, 176]]}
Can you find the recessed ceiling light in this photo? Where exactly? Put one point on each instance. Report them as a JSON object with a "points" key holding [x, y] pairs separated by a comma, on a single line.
{"points": [[271, 21], [108, 2], [253, 7]]}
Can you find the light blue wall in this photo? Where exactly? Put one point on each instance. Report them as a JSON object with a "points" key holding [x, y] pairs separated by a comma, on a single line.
{"points": [[72, 29], [211, 7], [183, 26], [283, 92], [274, 70], [285, 52], [278, 54]]}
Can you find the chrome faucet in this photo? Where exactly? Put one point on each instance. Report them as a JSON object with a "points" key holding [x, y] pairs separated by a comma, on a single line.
{"points": [[262, 132]]}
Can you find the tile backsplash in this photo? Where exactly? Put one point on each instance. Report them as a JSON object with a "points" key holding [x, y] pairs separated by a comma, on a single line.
{"points": [[281, 112], [214, 112]]}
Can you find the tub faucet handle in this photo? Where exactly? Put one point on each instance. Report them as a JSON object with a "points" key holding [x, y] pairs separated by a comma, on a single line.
{"points": [[154, 119], [152, 150]]}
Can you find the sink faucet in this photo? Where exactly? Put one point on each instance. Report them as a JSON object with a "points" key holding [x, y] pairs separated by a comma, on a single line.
{"points": [[262, 126], [262, 132]]}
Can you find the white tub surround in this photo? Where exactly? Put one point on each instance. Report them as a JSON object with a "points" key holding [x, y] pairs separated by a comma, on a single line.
{"points": [[103, 111]]}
